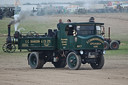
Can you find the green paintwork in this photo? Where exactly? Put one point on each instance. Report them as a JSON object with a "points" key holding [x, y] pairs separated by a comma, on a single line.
{"points": [[79, 42], [37, 43], [72, 61], [63, 41]]}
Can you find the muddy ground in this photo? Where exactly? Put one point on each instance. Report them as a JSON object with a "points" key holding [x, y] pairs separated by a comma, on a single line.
{"points": [[14, 69]]}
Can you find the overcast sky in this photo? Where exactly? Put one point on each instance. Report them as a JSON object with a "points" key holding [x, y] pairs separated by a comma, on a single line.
{"points": [[33, 1], [39, 1]]}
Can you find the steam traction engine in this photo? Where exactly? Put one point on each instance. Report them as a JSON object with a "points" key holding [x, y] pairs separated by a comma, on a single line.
{"points": [[9, 46], [72, 44], [109, 43]]}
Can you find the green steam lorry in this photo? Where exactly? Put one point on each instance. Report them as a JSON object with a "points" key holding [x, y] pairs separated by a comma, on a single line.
{"points": [[72, 44]]}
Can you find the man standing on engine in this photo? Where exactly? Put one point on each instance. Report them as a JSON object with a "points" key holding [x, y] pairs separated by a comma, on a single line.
{"points": [[58, 25]]}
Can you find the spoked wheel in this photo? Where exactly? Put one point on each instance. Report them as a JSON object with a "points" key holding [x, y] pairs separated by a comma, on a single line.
{"points": [[9, 47], [35, 61], [73, 61], [99, 63], [4, 47]]}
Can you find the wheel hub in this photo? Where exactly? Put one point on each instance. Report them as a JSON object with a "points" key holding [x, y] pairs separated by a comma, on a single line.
{"points": [[33, 60], [114, 45], [72, 61]]}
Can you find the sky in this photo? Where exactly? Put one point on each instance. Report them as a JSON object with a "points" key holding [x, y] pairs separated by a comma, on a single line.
{"points": [[39, 1], [33, 1]]}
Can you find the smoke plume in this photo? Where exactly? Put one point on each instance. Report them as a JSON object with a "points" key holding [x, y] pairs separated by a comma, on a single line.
{"points": [[18, 18]]}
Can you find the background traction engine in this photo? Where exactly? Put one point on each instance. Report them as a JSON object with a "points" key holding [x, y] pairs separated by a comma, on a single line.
{"points": [[11, 41], [109, 43]]}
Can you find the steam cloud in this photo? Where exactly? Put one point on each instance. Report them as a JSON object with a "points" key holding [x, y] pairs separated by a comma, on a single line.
{"points": [[19, 17]]}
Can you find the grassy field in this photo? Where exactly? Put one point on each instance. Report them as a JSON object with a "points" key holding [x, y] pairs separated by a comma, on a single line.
{"points": [[41, 24], [123, 50]]}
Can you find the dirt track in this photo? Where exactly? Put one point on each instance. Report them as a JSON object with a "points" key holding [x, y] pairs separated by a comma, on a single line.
{"points": [[14, 69]]}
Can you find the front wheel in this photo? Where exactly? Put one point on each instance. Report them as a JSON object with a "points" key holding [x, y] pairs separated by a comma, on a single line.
{"points": [[10, 48], [35, 61], [73, 61], [99, 63], [4, 47]]}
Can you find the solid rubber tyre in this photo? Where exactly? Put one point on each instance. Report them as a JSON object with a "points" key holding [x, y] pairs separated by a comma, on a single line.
{"points": [[35, 61], [99, 62], [73, 61]]}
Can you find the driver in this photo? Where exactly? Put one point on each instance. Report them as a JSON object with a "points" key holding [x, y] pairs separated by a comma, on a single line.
{"points": [[92, 19]]}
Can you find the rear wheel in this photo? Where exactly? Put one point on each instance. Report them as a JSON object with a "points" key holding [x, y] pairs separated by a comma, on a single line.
{"points": [[73, 61], [35, 61], [114, 45], [106, 45], [99, 63]]}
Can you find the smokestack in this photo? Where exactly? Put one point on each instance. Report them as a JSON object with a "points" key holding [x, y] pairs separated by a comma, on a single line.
{"points": [[9, 30], [8, 40]]}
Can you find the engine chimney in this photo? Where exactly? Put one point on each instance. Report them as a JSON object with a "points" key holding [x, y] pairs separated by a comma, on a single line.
{"points": [[9, 26], [8, 40]]}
